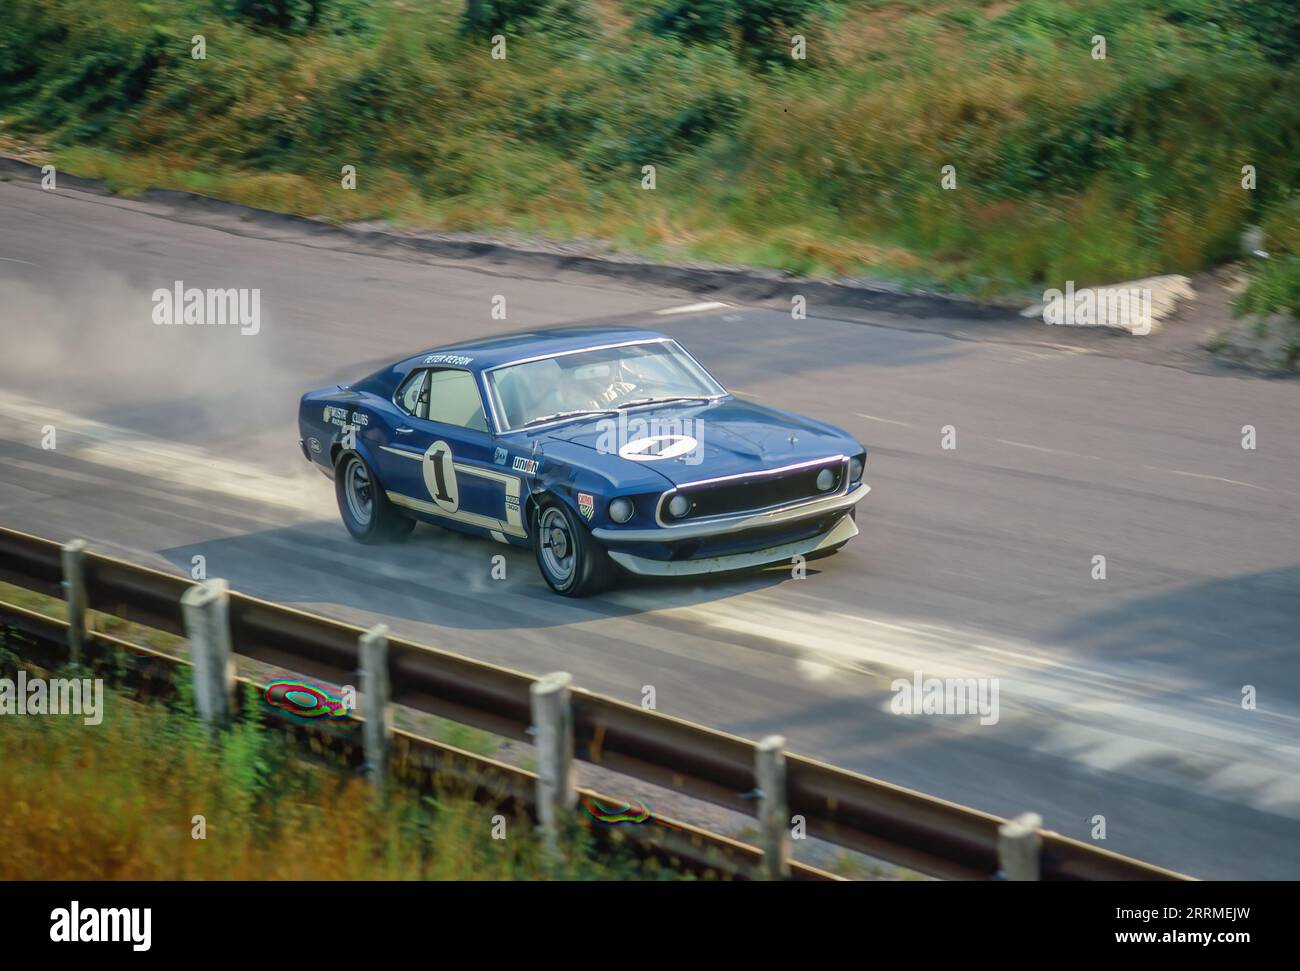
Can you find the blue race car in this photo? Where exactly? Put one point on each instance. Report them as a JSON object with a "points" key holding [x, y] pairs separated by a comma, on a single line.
{"points": [[600, 447]]}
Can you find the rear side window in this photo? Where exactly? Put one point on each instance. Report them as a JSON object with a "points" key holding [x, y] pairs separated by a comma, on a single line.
{"points": [[408, 395]]}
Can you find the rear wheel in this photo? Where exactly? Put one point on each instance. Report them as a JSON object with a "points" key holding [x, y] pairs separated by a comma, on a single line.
{"points": [[363, 505], [573, 564]]}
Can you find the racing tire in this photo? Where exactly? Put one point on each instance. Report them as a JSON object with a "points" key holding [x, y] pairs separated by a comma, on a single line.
{"points": [[571, 561], [364, 507]]}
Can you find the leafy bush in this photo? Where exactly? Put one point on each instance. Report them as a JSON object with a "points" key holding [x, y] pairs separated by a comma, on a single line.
{"points": [[290, 15], [1274, 25], [1275, 288], [698, 21], [757, 30], [341, 17], [565, 17]]}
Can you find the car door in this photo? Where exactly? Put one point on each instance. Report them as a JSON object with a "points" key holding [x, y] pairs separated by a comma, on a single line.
{"points": [[400, 444], [457, 478]]}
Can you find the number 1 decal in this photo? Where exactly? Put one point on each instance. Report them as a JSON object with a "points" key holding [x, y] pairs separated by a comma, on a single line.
{"points": [[440, 476]]}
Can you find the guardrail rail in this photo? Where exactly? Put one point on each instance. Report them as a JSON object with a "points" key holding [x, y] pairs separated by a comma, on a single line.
{"points": [[893, 823]]}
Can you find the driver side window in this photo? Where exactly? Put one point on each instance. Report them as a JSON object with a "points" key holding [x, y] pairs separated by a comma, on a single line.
{"points": [[452, 397]]}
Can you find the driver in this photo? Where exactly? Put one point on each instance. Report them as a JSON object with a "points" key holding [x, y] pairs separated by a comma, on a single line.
{"points": [[600, 386]]}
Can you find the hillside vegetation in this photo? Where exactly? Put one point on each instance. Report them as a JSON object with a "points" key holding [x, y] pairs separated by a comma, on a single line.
{"points": [[1067, 166]]}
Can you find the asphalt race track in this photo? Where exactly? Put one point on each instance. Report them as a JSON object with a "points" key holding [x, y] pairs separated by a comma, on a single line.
{"points": [[1118, 697]]}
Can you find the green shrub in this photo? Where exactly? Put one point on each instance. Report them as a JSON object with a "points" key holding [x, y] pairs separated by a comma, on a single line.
{"points": [[1274, 288], [342, 17], [289, 15], [565, 17], [756, 30]]}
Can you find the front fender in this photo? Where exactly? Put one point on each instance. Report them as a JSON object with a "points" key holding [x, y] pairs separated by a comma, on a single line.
{"points": [[567, 472], [570, 486]]}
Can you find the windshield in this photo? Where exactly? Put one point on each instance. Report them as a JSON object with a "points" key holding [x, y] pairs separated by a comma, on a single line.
{"points": [[596, 381]]}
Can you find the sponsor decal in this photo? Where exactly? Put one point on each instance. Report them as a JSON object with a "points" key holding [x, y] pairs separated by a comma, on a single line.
{"points": [[522, 464], [586, 504], [512, 504], [313, 444], [340, 416], [499, 456]]}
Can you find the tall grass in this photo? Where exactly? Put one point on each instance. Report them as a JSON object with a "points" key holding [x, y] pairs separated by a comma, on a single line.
{"points": [[1067, 167], [117, 801]]}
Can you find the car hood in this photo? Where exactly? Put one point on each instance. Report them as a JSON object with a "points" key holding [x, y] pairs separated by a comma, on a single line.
{"points": [[718, 438]]}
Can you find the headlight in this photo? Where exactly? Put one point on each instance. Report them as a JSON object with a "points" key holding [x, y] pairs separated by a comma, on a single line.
{"points": [[620, 510], [825, 479], [679, 506], [855, 467]]}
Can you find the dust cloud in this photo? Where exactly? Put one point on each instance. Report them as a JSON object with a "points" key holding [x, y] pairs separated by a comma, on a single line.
{"points": [[89, 346]]}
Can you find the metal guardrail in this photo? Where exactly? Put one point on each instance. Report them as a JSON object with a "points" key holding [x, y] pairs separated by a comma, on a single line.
{"points": [[416, 761], [890, 822]]}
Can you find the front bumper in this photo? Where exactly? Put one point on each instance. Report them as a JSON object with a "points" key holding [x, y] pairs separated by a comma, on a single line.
{"points": [[841, 532], [742, 522]]}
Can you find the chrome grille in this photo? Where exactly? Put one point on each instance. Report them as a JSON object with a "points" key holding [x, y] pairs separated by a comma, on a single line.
{"points": [[754, 492]]}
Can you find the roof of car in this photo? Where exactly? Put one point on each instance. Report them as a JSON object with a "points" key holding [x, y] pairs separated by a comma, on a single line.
{"points": [[489, 352]]}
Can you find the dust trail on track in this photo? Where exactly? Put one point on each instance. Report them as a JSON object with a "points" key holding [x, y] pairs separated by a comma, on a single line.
{"points": [[298, 492], [1112, 720]]}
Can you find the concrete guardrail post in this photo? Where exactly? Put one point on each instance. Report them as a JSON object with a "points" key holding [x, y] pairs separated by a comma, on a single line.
{"points": [[377, 729], [773, 807], [1020, 847], [74, 594], [553, 736], [205, 607]]}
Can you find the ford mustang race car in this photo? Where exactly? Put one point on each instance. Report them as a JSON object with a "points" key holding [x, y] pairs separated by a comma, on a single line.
{"points": [[601, 448]]}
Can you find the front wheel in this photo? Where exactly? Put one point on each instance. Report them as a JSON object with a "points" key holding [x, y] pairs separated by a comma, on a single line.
{"points": [[573, 564], [363, 505]]}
